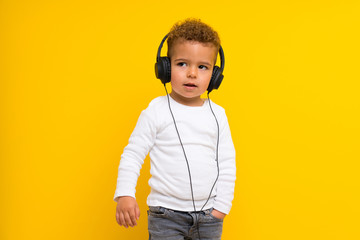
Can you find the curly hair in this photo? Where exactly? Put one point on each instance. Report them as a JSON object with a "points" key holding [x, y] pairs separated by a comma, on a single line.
{"points": [[193, 30]]}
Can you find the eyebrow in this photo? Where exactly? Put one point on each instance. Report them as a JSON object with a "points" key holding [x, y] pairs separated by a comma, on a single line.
{"points": [[183, 59]]}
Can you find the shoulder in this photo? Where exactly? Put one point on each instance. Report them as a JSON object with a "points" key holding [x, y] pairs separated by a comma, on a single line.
{"points": [[150, 115], [155, 107], [220, 114], [219, 110], [157, 103]]}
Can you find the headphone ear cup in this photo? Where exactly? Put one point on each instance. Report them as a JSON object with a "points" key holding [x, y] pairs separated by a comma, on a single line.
{"points": [[216, 79], [163, 69]]}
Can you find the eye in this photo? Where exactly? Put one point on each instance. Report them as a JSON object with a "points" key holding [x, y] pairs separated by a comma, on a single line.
{"points": [[181, 64], [203, 67]]}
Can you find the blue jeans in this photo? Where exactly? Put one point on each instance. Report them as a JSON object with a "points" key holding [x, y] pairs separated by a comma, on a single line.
{"points": [[167, 224]]}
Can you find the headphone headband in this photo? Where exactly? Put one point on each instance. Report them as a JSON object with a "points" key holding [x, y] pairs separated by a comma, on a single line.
{"points": [[160, 47], [222, 59]]}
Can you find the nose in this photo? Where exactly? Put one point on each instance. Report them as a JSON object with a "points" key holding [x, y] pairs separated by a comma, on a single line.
{"points": [[192, 72]]}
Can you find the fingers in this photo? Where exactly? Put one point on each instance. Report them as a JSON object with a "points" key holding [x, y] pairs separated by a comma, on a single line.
{"points": [[128, 218], [137, 212], [117, 218], [127, 211], [121, 219]]}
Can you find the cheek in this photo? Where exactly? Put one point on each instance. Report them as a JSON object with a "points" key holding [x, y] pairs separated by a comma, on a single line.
{"points": [[176, 75], [207, 80]]}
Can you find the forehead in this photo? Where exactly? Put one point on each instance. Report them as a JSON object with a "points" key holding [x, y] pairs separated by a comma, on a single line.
{"points": [[192, 49]]}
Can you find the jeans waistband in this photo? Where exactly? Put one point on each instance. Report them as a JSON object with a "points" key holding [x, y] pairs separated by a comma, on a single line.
{"points": [[206, 211]]}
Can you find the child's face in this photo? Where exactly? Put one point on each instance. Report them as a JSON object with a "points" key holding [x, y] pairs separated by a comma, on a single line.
{"points": [[191, 69]]}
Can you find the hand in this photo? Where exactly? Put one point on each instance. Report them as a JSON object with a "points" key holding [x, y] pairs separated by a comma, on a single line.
{"points": [[127, 211], [218, 214]]}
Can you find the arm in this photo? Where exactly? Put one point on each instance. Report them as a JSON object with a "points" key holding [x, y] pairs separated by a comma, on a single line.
{"points": [[140, 142], [227, 166]]}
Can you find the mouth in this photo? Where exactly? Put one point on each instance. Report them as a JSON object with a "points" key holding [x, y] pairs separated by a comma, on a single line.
{"points": [[190, 85]]}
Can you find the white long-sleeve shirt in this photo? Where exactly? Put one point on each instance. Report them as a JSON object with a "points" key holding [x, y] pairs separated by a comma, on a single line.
{"points": [[155, 133]]}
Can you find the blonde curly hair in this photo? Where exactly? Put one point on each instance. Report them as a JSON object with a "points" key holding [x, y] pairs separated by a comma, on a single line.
{"points": [[192, 29]]}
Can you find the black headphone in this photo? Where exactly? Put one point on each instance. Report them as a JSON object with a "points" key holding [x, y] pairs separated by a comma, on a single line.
{"points": [[163, 69]]}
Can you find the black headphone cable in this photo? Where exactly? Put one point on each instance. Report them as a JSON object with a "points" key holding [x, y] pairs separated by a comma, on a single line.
{"points": [[182, 146], [187, 162]]}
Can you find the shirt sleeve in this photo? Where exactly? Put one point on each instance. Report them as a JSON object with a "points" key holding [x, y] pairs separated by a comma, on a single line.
{"points": [[140, 142], [227, 168]]}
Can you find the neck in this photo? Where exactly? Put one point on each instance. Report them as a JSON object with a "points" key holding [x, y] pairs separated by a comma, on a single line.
{"points": [[193, 102]]}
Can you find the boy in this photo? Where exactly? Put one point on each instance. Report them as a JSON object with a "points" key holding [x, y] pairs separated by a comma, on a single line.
{"points": [[191, 150]]}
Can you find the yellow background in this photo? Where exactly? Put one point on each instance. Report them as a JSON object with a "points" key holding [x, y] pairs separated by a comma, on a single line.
{"points": [[75, 75]]}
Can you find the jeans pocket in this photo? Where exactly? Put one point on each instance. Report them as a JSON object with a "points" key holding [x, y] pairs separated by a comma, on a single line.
{"points": [[156, 211], [217, 219], [209, 213]]}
